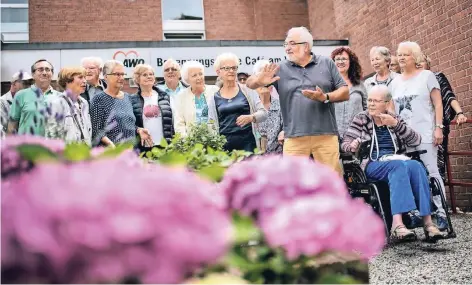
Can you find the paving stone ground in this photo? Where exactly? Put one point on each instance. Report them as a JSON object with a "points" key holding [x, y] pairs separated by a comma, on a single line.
{"points": [[446, 262]]}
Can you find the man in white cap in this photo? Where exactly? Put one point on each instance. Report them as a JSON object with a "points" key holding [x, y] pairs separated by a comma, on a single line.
{"points": [[20, 80]]}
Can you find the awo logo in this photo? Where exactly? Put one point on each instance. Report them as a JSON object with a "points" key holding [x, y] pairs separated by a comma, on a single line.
{"points": [[129, 58]]}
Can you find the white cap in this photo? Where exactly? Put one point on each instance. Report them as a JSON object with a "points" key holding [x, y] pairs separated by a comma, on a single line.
{"points": [[25, 76]]}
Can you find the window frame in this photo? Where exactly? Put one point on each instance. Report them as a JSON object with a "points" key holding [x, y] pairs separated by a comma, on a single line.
{"points": [[186, 26]]}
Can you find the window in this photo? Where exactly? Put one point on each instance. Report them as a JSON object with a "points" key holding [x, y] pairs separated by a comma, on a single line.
{"points": [[14, 15], [183, 20], [14, 21], [182, 10]]}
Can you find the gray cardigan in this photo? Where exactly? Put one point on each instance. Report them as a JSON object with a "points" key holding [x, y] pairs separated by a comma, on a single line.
{"points": [[256, 108], [346, 110]]}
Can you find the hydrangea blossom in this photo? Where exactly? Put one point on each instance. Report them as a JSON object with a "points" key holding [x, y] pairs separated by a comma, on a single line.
{"points": [[311, 225], [11, 160], [103, 221], [302, 206], [261, 184]]}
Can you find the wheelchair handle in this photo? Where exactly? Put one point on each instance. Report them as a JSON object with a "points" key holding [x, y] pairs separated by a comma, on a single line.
{"points": [[416, 153]]}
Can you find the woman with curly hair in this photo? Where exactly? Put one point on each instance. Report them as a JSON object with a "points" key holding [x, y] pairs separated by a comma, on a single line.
{"points": [[348, 65]]}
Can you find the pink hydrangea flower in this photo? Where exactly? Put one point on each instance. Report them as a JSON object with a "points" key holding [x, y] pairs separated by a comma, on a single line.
{"points": [[311, 225], [103, 221], [302, 206], [11, 160], [263, 183]]}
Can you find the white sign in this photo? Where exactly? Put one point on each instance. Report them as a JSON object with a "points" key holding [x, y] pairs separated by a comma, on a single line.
{"points": [[15, 60]]}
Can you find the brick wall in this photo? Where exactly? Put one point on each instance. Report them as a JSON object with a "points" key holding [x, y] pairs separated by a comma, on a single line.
{"points": [[253, 19], [140, 20], [443, 28], [94, 20]]}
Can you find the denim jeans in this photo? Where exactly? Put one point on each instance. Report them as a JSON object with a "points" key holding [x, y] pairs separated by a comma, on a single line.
{"points": [[408, 183]]}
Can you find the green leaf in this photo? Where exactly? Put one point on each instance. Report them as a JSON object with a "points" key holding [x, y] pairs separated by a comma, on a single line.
{"points": [[77, 152], [245, 229], [114, 152], [336, 278], [163, 143], [173, 158], [214, 172], [36, 153], [149, 154]]}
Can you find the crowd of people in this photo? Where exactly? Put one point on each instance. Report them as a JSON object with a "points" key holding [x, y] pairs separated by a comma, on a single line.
{"points": [[307, 105]]}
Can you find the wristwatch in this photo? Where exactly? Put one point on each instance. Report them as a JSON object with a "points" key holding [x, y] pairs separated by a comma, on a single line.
{"points": [[327, 98], [441, 126]]}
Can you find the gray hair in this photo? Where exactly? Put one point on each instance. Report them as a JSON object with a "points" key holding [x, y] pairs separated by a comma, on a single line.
{"points": [[415, 50], [97, 61], [225, 57], [260, 64], [110, 65], [383, 51], [383, 89], [173, 62], [304, 33], [187, 66]]}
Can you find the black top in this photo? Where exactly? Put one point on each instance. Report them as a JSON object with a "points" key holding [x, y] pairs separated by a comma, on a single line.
{"points": [[164, 104], [229, 110], [113, 118]]}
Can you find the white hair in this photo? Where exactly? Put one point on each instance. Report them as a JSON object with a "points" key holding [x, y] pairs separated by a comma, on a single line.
{"points": [[383, 89], [227, 56], [304, 33], [97, 61], [383, 51], [110, 65], [189, 65], [260, 64], [415, 50], [172, 62]]}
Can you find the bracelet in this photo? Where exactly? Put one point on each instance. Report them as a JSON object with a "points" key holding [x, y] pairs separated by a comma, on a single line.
{"points": [[460, 113]]}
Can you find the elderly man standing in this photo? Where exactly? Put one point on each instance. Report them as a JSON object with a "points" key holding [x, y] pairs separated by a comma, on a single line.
{"points": [[307, 84], [29, 107], [95, 85], [20, 80], [172, 84]]}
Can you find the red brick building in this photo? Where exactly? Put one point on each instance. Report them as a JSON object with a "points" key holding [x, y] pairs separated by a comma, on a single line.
{"points": [[443, 28]]}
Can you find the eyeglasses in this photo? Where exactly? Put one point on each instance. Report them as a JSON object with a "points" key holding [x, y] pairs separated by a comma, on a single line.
{"points": [[171, 69], [147, 75], [376, 101], [341, 59], [117, 74], [228, 68], [42, 69], [292, 44]]}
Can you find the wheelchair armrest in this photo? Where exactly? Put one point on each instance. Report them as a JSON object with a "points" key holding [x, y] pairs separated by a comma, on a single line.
{"points": [[415, 153], [346, 155]]}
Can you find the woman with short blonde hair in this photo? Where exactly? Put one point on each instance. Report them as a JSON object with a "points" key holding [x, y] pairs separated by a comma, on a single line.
{"points": [[151, 108], [192, 102], [417, 99], [235, 109], [69, 119]]}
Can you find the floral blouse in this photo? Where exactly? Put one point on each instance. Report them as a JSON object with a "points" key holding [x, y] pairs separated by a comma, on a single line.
{"points": [[271, 127], [69, 120]]}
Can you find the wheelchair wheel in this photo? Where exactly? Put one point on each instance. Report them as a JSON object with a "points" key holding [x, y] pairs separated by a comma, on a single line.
{"points": [[375, 200], [436, 190]]}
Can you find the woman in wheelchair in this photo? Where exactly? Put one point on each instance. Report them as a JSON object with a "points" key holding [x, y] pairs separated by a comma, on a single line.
{"points": [[407, 179]]}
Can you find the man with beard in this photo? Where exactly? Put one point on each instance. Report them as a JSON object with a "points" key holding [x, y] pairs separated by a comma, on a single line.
{"points": [[307, 84]]}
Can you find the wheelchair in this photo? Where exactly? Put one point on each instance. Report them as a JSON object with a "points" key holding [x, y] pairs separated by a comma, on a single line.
{"points": [[377, 194]]}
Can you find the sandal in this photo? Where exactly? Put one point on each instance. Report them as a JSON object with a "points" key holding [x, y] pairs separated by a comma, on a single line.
{"points": [[432, 232], [401, 233]]}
